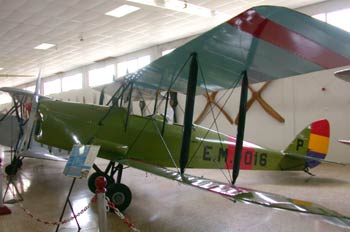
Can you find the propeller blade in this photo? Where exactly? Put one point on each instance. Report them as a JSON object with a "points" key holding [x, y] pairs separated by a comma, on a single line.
{"points": [[268, 109]]}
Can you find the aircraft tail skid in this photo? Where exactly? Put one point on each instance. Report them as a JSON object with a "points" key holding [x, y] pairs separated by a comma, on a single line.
{"points": [[311, 144]]}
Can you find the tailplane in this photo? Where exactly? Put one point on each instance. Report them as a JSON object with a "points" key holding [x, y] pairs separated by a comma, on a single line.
{"points": [[311, 144]]}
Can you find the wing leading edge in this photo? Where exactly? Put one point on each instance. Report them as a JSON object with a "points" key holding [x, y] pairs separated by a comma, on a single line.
{"points": [[244, 195], [269, 42]]}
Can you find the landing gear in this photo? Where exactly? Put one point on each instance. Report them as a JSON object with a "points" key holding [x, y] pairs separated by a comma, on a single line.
{"points": [[307, 170], [120, 195], [92, 179], [117, 192], [12, 168]]}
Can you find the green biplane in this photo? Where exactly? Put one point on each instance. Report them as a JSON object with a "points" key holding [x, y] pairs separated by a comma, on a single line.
{"points": [[263, 43]]}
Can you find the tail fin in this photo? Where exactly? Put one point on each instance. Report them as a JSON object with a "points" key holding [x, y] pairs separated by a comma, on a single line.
{"points": [[312, 142]]}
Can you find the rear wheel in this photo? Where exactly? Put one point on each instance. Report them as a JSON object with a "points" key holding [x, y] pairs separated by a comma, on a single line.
{"points": [[120, 195]]}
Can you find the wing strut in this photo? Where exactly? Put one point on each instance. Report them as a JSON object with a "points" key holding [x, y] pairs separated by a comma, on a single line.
{"points": [[190, 97], [240, 127]]}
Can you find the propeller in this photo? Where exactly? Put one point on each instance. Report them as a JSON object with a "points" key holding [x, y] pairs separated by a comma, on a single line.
{"points": [[256, 95]]}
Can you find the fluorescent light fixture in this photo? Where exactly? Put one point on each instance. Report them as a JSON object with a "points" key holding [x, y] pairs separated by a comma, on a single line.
{"points": [[122, 11], [181, 6], [188, 8], [1, 68], [44, 46]]}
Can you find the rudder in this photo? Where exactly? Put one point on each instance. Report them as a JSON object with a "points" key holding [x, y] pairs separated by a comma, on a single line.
{"points": [[313, 142]]}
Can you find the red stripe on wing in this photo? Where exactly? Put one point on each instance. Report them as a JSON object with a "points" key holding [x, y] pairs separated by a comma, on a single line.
{"points": [[263, 28]]}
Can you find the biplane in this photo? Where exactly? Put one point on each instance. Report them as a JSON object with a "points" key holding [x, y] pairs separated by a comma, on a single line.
{"points": [[262, 43]]}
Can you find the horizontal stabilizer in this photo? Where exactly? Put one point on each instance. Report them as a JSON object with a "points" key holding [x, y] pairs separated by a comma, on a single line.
{"points": [[343, 74], [313, 159], [40, 154], [344, 141], [245, 195]]}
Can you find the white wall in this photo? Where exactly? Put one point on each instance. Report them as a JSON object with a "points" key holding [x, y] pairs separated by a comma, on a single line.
{"points": [[300, 100]]}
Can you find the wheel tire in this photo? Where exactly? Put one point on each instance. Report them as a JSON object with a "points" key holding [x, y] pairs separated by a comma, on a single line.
{"points": [[120, 195], [92, 179], [11, 169]]}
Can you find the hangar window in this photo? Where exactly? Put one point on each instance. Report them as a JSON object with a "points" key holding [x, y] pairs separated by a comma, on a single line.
{"points": [[340, 18], [131, 66], [72, 82], [52, 87], [165, 52], [101, 76], [5, 98], [321, 17], [30, 88]]}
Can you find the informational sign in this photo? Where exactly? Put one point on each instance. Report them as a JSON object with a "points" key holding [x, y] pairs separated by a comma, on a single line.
{"points": [[81, 160]]}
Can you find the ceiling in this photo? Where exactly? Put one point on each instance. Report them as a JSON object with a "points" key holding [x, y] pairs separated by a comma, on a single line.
{"points": [[83, 33]]}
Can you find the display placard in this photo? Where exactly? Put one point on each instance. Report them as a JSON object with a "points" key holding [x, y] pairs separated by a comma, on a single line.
{"points": [[81, 160]]}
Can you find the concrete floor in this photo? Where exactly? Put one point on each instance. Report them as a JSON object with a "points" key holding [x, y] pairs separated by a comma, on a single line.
{"points": [[163, 205]]}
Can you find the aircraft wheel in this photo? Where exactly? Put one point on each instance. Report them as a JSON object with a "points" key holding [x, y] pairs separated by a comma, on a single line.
{"points": [[120, 195], [92, 178], [11, 169]]}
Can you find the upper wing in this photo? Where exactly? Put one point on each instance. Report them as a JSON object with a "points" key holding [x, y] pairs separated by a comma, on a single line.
{"points": [[268, 42], [245, 195], [21, 94], [137, 94]]}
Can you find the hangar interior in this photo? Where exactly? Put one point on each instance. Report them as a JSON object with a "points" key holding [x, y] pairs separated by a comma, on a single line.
{"points": [[90, 48]]}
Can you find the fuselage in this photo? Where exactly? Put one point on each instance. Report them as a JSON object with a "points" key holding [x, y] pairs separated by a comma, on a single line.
{"points": [[123, 136]]}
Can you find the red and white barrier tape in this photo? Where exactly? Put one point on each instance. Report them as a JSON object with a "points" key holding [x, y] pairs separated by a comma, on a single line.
{"points": [[121, 216], [109, 205], [46, 222]]}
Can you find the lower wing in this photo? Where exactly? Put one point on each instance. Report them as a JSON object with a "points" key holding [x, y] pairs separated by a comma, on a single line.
{"points": [[245, 195], [41, 154]]}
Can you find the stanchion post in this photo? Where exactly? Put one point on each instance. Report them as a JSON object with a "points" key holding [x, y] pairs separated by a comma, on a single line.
{"points": [[3, 209], [101, 183]]}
